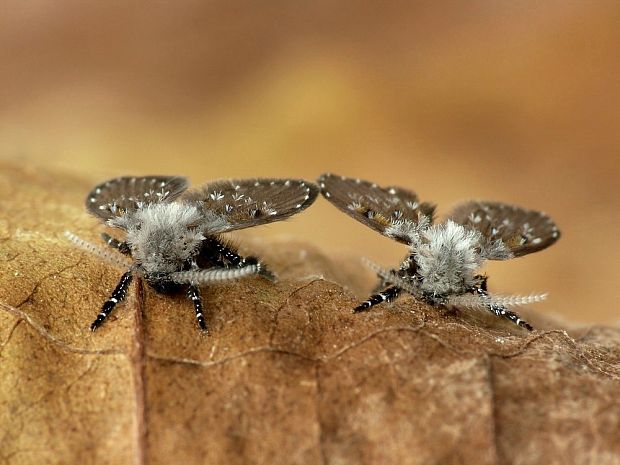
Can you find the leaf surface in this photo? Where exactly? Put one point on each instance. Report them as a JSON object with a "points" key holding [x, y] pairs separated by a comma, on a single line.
{"points": [[288, 375]]}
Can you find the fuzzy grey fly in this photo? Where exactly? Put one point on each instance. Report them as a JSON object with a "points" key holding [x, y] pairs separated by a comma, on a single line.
{"points": [[444, 257], [172, 235]]}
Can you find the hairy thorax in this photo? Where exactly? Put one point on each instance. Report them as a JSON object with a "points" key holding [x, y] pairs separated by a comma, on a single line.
{"points": [[164, 237], [447, 256]]}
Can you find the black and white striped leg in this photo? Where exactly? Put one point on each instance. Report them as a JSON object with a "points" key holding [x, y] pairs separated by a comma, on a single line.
{"points": [[232, 257], [226, 256], [220, 253], [503, 312], [500, 310], [118, 295], [193, 294], [122, 247], [388, 295]]}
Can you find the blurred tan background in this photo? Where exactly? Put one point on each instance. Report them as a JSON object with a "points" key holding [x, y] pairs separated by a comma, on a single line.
{"points": [[512, 101]]}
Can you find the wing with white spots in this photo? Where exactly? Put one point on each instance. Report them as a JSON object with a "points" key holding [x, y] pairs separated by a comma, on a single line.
{"points": [[522, 231], [251, 202], [117, 196], [383, 209]]}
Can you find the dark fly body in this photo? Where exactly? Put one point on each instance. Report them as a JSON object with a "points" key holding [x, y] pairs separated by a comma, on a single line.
{"points": [[172, 235], [443, 259]]}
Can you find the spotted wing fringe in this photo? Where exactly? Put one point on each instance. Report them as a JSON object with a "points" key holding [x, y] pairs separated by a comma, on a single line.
{"points": [[112, 258], [482, 302], [213, 275]]}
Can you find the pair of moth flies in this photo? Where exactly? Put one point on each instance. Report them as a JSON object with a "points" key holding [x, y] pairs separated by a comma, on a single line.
{"points": [[172, 234], [443, 259]]}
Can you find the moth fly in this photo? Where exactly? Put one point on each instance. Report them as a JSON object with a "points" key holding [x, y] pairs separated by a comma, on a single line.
{"points": [[441, 265], [172, 235]]}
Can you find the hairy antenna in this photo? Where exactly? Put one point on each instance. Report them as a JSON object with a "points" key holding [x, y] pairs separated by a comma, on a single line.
{"points": [[213, 275]]}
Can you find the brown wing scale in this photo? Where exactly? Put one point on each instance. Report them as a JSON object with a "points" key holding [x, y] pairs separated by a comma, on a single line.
{"points": [[375, 206], [117, 196], [251, 202], [522, 231]]}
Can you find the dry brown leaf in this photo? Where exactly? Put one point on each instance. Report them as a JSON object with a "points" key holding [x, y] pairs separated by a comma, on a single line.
{"points": [[288, 374]]}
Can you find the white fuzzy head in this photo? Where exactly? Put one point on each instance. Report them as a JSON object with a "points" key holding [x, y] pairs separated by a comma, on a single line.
{"points": [[447, 256], [407, 229], [163, 236]]}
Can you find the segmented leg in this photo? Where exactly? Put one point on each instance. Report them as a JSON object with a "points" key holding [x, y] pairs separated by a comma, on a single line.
{"points": [[216, 253], [193, 294], [118, 295], [388, 295], [502, 312], [122, 247]]}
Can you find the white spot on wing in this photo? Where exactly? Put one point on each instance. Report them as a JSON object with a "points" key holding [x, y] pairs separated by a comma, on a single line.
{"points": [[216, 195]]}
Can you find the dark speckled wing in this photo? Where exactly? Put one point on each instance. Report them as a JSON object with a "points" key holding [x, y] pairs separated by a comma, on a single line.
{"points": [[117, 196], [376, 207], [522, 231], [244, 203]]}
